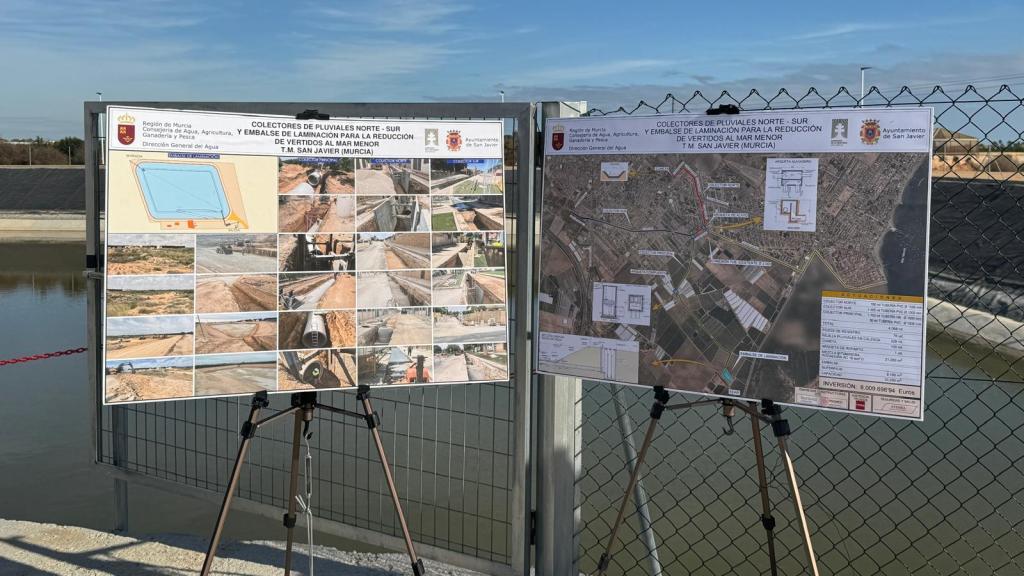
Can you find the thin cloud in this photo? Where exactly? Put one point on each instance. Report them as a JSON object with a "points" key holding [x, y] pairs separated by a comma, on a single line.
{"points": [[389, 16]]}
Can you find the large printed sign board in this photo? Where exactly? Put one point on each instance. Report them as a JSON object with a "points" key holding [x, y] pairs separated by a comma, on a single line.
{"points": [[774, 255], [252, 252]]}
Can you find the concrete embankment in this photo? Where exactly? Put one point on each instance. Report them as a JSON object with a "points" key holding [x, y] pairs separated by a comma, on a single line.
{"points": [[42, 203], [17, 226]]}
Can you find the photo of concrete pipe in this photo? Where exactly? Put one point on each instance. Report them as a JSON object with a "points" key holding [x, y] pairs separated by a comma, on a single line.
{"points": [[316, 369], [316, 329], [324, 291], [315, 176]]}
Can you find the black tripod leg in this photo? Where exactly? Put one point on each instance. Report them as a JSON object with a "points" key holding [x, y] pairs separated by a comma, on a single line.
{"points": [[767, 520], [661, 398], [371, 422], [293, 490], [259, 401]]}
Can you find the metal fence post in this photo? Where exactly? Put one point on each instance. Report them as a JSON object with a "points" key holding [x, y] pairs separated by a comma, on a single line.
{"points": [[559, 466], [639, 493]]}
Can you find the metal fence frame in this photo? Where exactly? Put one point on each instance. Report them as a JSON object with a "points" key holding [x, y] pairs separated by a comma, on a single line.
{"points": [[115, 442], [564, 469], [898, 497]]}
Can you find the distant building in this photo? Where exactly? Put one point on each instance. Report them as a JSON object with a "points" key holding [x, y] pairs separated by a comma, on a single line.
{"points": [[956, 144]]}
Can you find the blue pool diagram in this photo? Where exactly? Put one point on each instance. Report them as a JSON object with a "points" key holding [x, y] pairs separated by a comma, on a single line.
{"points": [[190, 195]]}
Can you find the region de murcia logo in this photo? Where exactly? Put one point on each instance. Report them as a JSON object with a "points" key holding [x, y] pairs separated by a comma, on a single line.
{"points": [[870, 132], [840, 131], [454, 141], [558, 137], [125, 129]]}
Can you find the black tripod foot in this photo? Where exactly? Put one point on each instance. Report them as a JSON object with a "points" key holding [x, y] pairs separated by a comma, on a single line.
{"points": [[418, 569]]}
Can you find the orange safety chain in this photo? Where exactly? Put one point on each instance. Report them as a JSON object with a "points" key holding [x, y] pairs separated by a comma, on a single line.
{"points": [[67, 352]]}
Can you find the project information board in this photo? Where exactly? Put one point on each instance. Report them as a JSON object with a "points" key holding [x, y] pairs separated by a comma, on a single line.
{"points": [[250, 252], [773, 255]]}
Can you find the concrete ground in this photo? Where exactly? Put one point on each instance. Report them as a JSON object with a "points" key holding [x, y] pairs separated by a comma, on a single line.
{"points": [[33, 548]]}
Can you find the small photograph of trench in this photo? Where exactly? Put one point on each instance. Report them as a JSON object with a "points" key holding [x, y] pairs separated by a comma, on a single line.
{"points": [[393, 214], [465, 287], [392, 176], [393, 289], [315, 175], [467, 249], [395, 365], [466, 213], [316, 329], [304, 291], [240, 332], [316, 214], [316, 369], [395, 327], [236, 293], [392, 250], [471, 362], [316, 252]]}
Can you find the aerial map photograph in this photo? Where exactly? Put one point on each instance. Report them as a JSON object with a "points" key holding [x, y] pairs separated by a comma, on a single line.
{"points": [[734, 308]]}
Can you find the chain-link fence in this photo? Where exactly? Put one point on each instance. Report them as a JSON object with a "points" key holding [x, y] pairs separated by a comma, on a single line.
{"points": [[882, 496]]}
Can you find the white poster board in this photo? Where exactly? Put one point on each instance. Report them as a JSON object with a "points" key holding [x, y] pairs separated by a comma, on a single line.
{"points": [[250, 252], [775, 255]]}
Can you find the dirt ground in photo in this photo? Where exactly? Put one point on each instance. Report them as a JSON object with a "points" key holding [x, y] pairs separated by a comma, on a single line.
{"points": [[151, 384], [148, 302], [138, 260], [149, 346]]}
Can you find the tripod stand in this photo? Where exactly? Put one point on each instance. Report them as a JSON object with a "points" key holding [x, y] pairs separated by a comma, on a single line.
{"points": [[770, 413], [303, 406]]}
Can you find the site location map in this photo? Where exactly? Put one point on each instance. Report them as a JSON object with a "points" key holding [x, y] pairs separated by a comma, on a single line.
{"points": [[772, 255]]}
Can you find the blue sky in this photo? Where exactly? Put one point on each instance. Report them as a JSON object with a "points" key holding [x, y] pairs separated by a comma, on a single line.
{"points": [[56, 54]]}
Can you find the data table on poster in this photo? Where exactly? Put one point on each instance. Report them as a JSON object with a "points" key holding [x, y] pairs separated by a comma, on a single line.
{"points": [[251, 252]]}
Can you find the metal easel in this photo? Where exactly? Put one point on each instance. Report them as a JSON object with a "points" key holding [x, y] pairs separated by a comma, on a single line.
{"points": [[770, 413], [304, 406]]}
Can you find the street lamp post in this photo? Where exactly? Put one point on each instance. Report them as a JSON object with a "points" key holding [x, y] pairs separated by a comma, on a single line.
{"points": [[862, 69]]}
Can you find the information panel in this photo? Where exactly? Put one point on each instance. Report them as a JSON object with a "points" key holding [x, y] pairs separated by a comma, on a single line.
{"points": [[251, 252], [772, 255]]}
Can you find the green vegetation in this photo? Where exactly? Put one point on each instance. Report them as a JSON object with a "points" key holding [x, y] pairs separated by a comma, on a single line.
{"points": [[444, 222], [174, 255], [144, 302], [42, 152], [466, 187]]}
